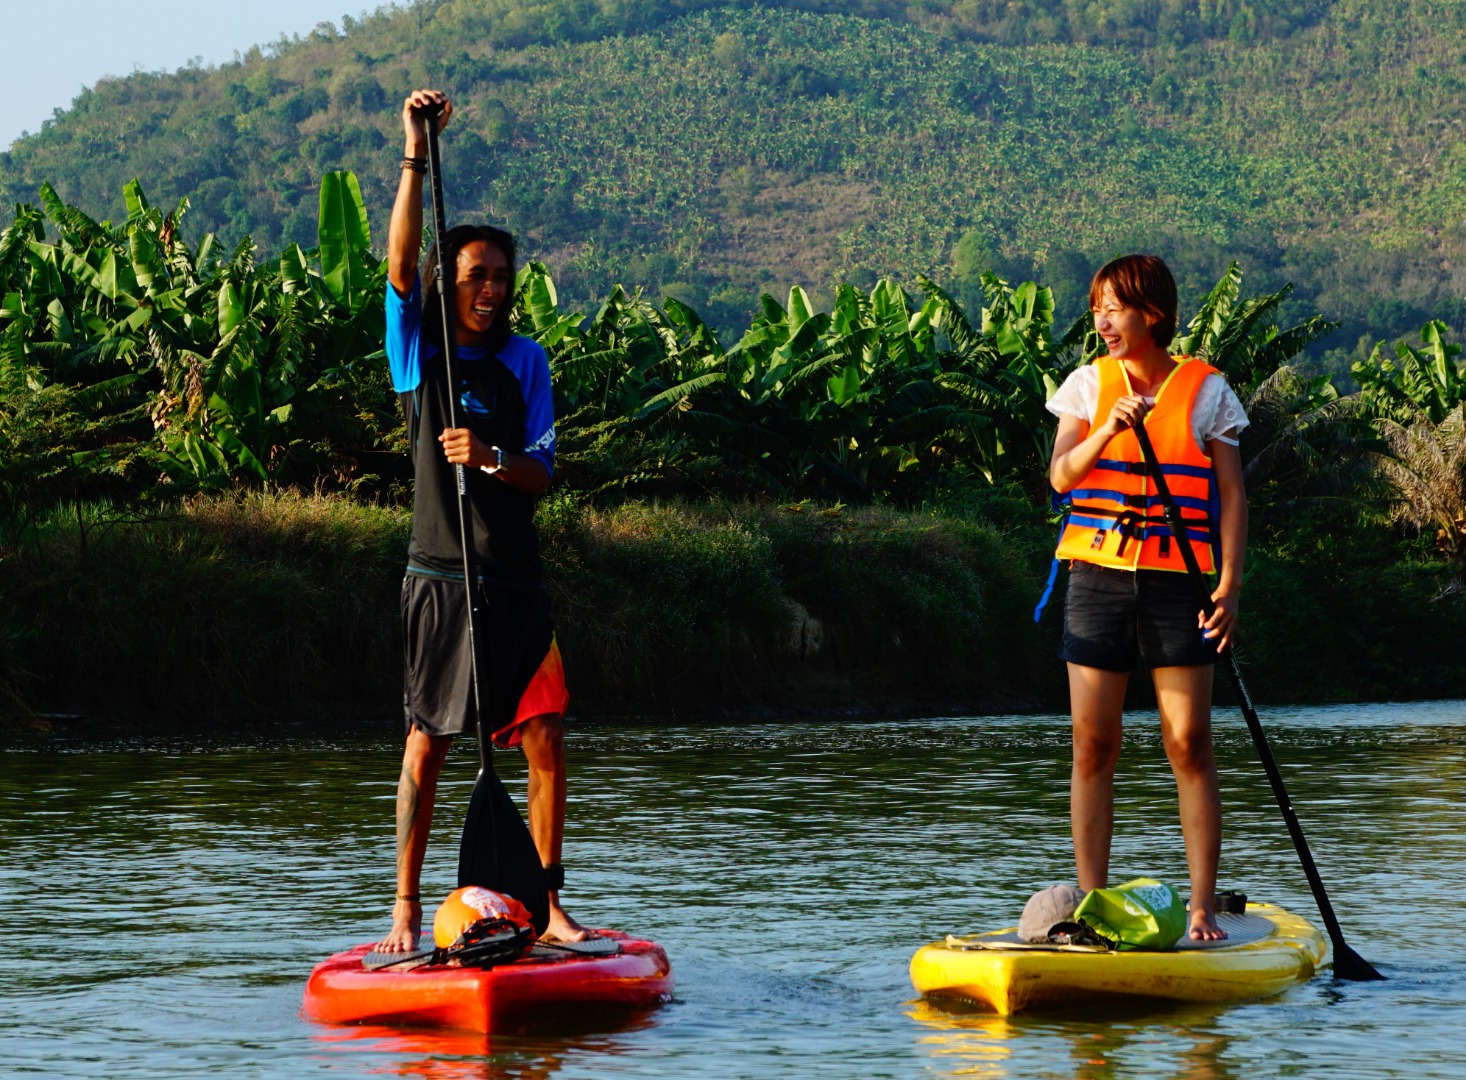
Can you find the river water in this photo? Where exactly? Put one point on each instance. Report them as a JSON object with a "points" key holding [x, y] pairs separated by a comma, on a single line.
{"points": [[165, 899]]}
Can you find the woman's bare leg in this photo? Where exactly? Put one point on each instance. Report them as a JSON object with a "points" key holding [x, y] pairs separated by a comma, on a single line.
{"points": [[1096, 702], [1184, 696]]}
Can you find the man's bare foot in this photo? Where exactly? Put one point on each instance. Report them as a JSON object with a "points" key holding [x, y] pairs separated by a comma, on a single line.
{"points": [[563, 928], [1204, 926], [406, 926]]}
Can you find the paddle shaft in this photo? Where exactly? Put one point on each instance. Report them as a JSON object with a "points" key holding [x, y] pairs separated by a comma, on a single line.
{"points": [[450, 354], [1347, 963], [497, 850]]}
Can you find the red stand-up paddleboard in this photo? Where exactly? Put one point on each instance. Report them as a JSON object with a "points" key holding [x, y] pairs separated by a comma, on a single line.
{"points": [[549, 987]]}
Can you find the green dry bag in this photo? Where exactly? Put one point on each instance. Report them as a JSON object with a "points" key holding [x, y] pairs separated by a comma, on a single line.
{"points": [[1140, 914]]}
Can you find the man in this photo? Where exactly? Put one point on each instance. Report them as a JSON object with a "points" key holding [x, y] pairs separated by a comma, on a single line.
{"points": [[506, 445]]}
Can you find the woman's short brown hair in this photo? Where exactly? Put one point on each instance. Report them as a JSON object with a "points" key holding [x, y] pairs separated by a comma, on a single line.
{"points": [[1142, 282]]}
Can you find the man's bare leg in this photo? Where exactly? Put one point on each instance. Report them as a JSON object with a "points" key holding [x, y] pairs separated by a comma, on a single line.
{"points": [[417, 789], [1096, 702], [1184, 696], [543, 739]]}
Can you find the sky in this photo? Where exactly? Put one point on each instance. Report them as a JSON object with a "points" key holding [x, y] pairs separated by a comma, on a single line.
{"points": [[54, 48]]}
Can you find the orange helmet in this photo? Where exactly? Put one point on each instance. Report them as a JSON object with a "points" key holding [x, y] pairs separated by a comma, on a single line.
{"points": [[473, 904]]}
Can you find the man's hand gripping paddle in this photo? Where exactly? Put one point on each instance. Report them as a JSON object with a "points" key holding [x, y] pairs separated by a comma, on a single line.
{"points": [[1348, 964], [497, 850]]}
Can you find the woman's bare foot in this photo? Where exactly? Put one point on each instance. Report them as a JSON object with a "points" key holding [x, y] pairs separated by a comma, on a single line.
{"points": [[406, 926], [563, 928], [1204, 926]]}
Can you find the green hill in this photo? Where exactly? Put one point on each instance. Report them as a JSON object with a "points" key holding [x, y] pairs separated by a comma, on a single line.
{"points": [[708, 150]]}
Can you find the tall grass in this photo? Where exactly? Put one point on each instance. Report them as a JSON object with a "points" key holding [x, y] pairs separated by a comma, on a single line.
{"points": [[238, 609], [225, 609], [248, 609]]}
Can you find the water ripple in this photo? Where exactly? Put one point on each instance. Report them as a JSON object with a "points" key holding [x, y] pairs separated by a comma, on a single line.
{"points": [[165, 900]]}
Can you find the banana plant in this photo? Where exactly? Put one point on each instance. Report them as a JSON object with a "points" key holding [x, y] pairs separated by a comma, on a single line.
{"points": [[234, 363], [1429, 380], [238, 370], [1241, 338], [1006, 369]]}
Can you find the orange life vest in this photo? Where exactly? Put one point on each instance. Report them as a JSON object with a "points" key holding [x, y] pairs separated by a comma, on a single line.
{"points": [[1115, 517]]}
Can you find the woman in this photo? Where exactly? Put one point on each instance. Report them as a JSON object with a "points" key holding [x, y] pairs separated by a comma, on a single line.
{"points": [[1130, 602]]}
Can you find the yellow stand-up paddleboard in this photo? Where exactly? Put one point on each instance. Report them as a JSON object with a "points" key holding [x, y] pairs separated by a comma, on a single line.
{"points": [[1266, 950]]}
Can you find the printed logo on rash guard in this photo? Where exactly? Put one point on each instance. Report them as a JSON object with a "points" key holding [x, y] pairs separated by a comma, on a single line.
{"points": [[544, 442], [468, 401]]}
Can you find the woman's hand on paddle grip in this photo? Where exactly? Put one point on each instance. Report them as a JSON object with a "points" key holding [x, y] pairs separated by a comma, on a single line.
{"points": [[1129, 411], [414, 118], [462, 447], [1222, 622]]}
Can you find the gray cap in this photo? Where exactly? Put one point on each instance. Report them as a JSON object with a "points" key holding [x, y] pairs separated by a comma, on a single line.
{"points": [[1055, 904]]}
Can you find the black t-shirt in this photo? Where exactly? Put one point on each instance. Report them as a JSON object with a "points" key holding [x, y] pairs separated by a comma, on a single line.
{"points": [[505, 400]]}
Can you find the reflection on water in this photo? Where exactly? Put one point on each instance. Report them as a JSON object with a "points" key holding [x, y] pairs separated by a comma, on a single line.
{"points": [[1181, 1041], [165, 900], [448, 1055], [970, 1043]]}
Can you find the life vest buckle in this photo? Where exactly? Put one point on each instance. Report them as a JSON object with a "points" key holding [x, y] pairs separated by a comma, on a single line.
{"points": [[1129, 525]]}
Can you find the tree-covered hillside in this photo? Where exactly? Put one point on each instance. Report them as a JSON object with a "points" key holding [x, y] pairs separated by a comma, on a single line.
{"points": [[707, 150]]}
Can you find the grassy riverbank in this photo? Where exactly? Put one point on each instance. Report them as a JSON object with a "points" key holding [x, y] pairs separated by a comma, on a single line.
{"points": [[234, 610]]}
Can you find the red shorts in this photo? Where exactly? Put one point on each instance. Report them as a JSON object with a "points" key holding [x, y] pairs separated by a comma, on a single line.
{"points": [[544, 696]]}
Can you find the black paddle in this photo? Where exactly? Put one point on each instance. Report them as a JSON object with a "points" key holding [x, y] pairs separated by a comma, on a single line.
{"points": [[1348, 964], [497, 851]]}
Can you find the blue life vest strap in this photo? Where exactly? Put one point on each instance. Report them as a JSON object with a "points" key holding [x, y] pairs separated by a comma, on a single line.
{"points": [[1057, 503], [1142, 469], [1043, 601], [1152, 500], [1128, 524]]}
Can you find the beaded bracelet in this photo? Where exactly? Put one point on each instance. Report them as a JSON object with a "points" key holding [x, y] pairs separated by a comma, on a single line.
{"points": [[416, 164], [412, 899]]}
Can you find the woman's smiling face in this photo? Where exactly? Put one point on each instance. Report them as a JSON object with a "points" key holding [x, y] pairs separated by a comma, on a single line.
{"points": [[1126, 330]]}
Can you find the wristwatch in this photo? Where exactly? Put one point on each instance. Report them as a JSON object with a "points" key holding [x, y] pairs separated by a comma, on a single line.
{"points": [[498, 465]]}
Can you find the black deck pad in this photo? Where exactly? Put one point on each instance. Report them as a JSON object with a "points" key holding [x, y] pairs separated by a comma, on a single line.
{"points": [[374, 960], [596, 946]]}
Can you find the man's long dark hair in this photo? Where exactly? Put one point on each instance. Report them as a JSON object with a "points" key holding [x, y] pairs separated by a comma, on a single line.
{"points": [[454, 241]]}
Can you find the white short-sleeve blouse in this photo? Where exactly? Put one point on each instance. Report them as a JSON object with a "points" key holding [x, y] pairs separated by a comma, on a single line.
{"points": [[1217, 414]]}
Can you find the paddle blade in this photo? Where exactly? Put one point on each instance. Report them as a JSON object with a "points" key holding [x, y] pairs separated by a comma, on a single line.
{"points": [[1349, 965], [497, 851]]}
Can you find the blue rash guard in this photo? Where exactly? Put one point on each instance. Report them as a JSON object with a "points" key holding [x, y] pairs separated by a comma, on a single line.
{"points": [[504, 398]]}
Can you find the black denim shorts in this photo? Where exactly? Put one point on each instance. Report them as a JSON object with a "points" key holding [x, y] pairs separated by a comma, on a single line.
{"points": [[515, 634], [1120, 620]]}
